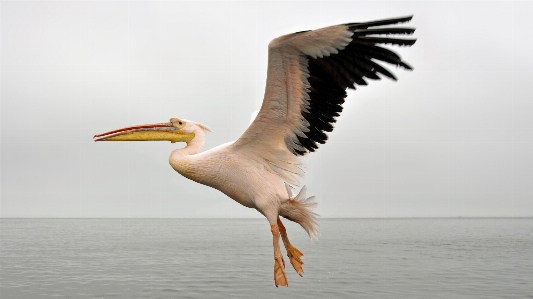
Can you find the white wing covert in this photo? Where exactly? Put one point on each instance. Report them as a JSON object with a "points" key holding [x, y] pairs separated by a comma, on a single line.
{"points": [[308, 74]]}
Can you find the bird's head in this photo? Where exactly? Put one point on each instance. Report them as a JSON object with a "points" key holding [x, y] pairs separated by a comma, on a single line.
{"points": [[176, 130]]}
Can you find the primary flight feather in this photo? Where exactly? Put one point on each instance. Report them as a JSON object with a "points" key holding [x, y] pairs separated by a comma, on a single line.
{"points": [[307, 78]]}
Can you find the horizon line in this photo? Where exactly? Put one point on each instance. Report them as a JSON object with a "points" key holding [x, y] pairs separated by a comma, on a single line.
{"points": [[400, 217]]}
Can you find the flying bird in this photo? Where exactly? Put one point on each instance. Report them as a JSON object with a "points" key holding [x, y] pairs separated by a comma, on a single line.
{"points": [[307, 78]]}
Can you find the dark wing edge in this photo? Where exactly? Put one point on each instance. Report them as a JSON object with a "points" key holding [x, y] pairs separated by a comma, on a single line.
{"points": [[330, 76]]}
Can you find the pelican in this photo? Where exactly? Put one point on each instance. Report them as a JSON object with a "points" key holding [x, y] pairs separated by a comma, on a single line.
{"points": [[307, 78]]}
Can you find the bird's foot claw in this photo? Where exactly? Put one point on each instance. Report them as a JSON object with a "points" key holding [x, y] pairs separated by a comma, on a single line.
{"points": [[280, 278], [295, 257]]}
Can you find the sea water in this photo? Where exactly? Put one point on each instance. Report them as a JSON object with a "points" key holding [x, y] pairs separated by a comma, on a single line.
{"points": [[233, 258]]}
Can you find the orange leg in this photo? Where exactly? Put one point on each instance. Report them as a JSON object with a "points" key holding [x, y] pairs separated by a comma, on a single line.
{"points": [[280, 277], [292, 252]]}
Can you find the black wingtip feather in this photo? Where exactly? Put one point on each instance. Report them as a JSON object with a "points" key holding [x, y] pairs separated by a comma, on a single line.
{"points": [[376, 52], [383, 22], [371, 40], [382, 70], [406, 66], [382, 31]]}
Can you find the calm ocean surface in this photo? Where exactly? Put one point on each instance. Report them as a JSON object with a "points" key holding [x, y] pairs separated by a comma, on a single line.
{"points": [[233, 258]]}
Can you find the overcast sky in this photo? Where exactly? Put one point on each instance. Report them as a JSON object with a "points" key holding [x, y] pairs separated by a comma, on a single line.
{"points": [[452, 138]]}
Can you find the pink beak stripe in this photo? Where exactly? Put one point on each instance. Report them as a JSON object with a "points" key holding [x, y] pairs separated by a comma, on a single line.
{"points": [[166, 125]]}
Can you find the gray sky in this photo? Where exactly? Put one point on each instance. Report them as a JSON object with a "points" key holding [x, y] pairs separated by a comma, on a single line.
{"points": [[453, 137]]}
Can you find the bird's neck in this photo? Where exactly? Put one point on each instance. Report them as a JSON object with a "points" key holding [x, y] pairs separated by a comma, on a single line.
{"points": [[194, 146], [181, 159]]}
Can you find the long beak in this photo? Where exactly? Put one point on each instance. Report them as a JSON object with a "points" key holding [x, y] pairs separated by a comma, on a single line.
{"points": [[150, 132]]}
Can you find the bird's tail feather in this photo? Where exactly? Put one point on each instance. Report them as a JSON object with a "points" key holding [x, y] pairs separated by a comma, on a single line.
{"points": [[299, 210]]}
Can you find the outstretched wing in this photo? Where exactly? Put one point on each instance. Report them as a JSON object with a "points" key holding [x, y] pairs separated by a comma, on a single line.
{"points": [[308, 74]]}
